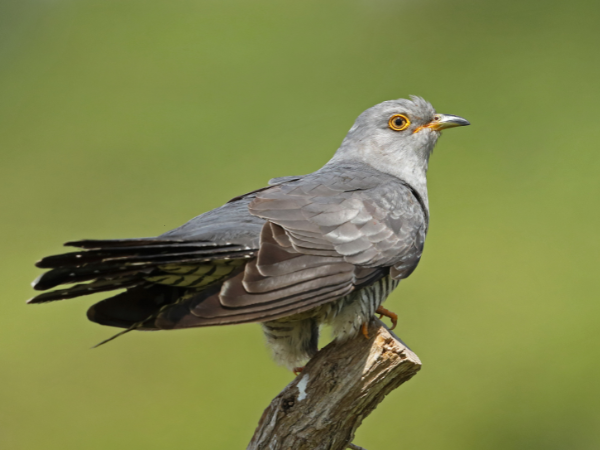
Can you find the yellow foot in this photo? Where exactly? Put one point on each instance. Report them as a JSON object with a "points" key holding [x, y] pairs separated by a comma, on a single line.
{"points": [[298, 370], [365, 330], [387, 313]]}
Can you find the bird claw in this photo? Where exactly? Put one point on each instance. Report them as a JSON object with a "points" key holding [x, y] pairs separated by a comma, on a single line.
{"points": [[298, 370], [365, 330], [387, 313]]}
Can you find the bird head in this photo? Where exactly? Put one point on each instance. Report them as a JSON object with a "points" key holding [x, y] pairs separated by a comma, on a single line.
{"points": [[397, 137], [398, 128]]}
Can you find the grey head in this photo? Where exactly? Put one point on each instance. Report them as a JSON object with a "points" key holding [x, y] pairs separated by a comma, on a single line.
{"points": [[397, 137]]}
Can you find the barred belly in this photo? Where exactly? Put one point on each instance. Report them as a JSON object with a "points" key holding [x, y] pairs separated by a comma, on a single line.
{"points": [[294, 339]]}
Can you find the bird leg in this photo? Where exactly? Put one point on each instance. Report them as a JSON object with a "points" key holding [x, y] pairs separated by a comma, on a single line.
{"points": [[365, 330], [387, 313], [298, 370]]}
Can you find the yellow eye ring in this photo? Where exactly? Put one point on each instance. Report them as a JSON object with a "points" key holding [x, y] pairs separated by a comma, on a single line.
{"points": [[398, 122]]}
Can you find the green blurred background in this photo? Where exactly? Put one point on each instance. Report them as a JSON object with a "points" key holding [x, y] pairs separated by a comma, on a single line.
{"points": [[125, 118]]}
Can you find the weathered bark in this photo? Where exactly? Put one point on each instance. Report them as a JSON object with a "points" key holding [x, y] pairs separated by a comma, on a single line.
{"points": [[322, 408]]}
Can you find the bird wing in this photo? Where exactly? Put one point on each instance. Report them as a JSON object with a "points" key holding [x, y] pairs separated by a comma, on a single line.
{"points": [[365, 217], [269, 254], [325, 235]]}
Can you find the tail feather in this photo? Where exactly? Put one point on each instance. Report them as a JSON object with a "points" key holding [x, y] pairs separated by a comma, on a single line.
{"points": [[110, 259], [120, 268], [132, 253], [100, 243], [85, 289], [71, 275], [150, 269]]}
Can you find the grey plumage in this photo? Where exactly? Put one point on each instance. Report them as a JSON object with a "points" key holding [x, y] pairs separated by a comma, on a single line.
{"points": [[323, 248]]}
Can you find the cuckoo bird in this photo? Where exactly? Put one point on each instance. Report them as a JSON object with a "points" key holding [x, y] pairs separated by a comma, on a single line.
{"points": [[305, 251]]}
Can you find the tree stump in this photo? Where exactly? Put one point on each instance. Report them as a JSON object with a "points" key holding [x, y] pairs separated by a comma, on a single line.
{"points": [[340, 386]]}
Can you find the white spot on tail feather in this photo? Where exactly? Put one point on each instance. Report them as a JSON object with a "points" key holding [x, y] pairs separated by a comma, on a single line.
{"points": [[34, 282], [302, 387]]}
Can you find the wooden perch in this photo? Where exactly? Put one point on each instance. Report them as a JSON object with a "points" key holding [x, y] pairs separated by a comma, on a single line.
{"points": [[340, 386]]}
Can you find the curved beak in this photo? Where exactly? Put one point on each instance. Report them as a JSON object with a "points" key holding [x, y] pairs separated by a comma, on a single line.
{"points": [[443, 121]]}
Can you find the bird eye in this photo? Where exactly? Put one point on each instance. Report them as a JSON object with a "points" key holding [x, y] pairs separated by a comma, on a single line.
{"points": [[398, 122]]}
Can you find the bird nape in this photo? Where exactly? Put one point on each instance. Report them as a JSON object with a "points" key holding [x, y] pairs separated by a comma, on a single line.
{"points": [[322, 248]]}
